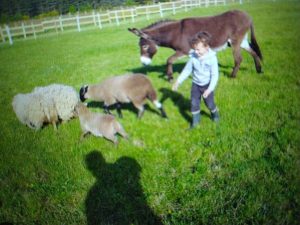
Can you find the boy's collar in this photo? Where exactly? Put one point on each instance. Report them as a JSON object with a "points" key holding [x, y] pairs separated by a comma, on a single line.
{"points": [[210, 52]]}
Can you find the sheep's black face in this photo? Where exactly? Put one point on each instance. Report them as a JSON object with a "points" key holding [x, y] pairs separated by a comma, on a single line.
{"points": [[82, 92]]}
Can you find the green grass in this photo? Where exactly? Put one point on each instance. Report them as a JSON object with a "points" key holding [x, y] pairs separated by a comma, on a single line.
{"points": [[243, 171]]}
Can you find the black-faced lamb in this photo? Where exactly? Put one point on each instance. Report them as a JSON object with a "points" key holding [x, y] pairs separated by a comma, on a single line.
{"points": [[135, 88], [49, 104], [100, 125]]}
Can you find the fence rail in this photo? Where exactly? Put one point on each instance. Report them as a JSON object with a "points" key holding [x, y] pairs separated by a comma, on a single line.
{"points": [[33, 28]]}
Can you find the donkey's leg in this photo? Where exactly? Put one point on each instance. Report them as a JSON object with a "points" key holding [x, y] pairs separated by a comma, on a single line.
{"points": [[245, 45], [256, 60], [236, 50], [170, 61]]}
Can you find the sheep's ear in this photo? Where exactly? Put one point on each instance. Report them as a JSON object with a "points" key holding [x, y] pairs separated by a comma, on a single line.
{"points": [[82, 92]]}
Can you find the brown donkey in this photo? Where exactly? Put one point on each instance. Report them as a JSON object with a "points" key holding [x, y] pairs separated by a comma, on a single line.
{"points": [[227, 29]]}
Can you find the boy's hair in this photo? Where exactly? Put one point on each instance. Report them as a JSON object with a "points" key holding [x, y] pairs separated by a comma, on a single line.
{"points": [[201, 36]]}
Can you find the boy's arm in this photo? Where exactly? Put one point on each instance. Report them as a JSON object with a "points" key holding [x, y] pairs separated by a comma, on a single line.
{"points": [[214, 76], [187, 70]]}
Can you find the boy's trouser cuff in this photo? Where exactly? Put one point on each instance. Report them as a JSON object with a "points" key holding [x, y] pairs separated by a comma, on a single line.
{"points": [[196, 112]]}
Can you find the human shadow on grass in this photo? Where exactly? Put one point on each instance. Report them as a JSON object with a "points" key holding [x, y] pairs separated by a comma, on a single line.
{"points": [[181, 102], [117, 196]]}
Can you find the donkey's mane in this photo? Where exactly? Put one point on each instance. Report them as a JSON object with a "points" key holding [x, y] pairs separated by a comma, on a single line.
{"points": [[159, 23]]}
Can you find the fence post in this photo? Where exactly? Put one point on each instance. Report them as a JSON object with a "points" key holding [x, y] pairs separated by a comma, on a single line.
{"points": [[32, 26], [2, 35], [185, 6], [206, 3], [173, 7], [216, 2], [60, 24], [160, 10], [94, 18], [108, 13], [132, 16], [23, 28], [8, 34], [123, 14], [241, 1], [99, 21], [78, 23], [147, 13], [55, 27], [117, 18]]}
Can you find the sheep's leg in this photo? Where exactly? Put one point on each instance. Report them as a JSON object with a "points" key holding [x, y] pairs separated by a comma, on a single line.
{"points": [[106, 109], [112, 138], [54, 125], [161, 109], [83, 134], [141, 111], [163, 112], [140, 107], [119, 110], [122, 132]]}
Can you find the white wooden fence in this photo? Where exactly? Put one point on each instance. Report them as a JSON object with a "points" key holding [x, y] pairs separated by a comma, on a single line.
{"points": [[33, 28]]}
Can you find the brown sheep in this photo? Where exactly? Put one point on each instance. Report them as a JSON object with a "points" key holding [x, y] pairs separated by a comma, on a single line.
{"points": [[98, 124], [135, 88]]}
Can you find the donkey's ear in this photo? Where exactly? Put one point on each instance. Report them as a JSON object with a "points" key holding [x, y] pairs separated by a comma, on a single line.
{"points": [[139, 33], [135, 31]]}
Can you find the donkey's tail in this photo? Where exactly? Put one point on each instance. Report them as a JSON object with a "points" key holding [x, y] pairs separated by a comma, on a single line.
{"points": [[254, 44]]}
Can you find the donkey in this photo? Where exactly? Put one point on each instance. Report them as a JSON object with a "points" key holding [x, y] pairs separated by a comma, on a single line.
{"points": [[227, 29]]}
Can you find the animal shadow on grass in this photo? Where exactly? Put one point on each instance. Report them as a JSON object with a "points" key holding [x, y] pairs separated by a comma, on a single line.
{"points": [[181, 102], [117, 196], [227, 69], [161, 69], [125, 106]]}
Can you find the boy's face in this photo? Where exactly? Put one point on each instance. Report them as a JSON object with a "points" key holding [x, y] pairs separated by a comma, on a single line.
{"points": [[201, 49]]}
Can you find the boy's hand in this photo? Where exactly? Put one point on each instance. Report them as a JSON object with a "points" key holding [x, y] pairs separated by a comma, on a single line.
{"points": [[206, 93], [175, 86]]}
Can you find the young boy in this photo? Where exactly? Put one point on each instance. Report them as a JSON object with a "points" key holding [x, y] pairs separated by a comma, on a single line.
{"points": [[203, 64]]}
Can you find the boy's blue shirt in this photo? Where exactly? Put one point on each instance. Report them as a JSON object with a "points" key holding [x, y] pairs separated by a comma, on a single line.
{"points": [[205, 69]]}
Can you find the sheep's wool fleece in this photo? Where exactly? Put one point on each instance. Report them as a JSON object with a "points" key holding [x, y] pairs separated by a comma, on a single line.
{"points": [[65, 98], [45, 104], [28, 110]]}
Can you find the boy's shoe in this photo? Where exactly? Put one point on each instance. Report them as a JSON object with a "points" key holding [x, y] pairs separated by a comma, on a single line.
{"points": [[196, 120], [215, 116]]}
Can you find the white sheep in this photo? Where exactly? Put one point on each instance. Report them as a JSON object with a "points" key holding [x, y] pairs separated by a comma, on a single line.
{"points": [[135, 88], [98, 124], [47, 104]]}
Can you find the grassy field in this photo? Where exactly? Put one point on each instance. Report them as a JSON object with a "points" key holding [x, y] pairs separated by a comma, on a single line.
{"points": [[245, 170]]}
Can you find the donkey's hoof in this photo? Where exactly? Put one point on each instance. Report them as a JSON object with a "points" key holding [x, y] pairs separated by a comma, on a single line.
{"points": [[170, 79]]}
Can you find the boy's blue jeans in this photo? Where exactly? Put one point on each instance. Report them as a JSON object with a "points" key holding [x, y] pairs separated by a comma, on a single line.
{"points": [[196, 94]]}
